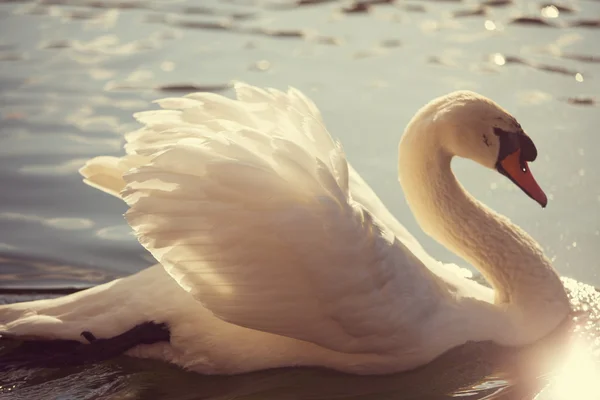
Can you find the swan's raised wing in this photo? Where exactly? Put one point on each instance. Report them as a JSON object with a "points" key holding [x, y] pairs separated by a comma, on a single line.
{"points": [[272, 112], [202, 114], [262, 229]]}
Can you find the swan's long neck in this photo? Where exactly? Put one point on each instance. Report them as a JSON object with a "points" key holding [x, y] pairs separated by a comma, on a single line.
{"points": [[525, 283]]}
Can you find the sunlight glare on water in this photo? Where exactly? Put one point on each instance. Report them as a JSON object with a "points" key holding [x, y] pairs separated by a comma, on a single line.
{"points": [[577, 378]]}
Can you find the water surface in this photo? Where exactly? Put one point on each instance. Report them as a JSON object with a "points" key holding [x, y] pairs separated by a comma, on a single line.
{"points": [[73, 72]]}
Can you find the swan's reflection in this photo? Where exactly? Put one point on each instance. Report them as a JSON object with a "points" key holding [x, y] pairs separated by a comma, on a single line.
{"points": [[562, 366], [476, 372]]}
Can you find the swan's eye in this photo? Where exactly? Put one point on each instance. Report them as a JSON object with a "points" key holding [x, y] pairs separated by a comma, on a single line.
{"points": [[509, 143], [513, 141]]}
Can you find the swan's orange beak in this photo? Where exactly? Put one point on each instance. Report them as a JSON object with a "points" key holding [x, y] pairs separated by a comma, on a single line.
{"points": [[517, 170]]}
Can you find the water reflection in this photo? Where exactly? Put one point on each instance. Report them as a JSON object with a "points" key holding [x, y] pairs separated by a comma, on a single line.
{"points": [[562, 366], [57, 223], [64, 168], [75, 70], [26, 275]]}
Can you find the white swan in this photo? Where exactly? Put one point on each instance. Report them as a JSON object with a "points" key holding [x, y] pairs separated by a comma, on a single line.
{"points": [[274, 252]]}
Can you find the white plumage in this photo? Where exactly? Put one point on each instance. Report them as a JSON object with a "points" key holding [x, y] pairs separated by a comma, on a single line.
{"points": [[279, 250]]}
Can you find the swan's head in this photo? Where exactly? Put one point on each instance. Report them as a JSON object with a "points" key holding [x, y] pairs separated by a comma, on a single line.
{"points": [[478, 129]]}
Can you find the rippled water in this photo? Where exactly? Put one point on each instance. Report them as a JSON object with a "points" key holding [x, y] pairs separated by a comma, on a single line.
{"points": [[73, 72]]}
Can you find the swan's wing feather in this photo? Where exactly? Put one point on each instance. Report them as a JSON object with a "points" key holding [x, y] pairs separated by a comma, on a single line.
{"points": [[198, 148], [106, 173], [260, 227], [262, 252], [201, 115]]}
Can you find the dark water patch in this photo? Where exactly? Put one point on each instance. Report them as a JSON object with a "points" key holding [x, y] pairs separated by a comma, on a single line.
{"points": [[56, 44], [363, 6], [208, 25], [81, 15], [25, 295], [34, 9], [539, 66], [120, 4], [327, 40], [581, 57], [473, 12], [39, 292], [313, 2], [390, 43], [278, 33], [441, 61], [18, 272], [496, 3], [227, 25], [124, 86], [383, 47], [12, 56], [116, 86], [553, 68], [585, 23], [581, 101], [532, 21], [200, 10], [190, 87], [357, 7], [245, 3]]}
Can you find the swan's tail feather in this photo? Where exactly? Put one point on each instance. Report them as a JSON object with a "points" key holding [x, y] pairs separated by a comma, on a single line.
{"points": [[105, 310], [23, 320], [97, 309]]}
